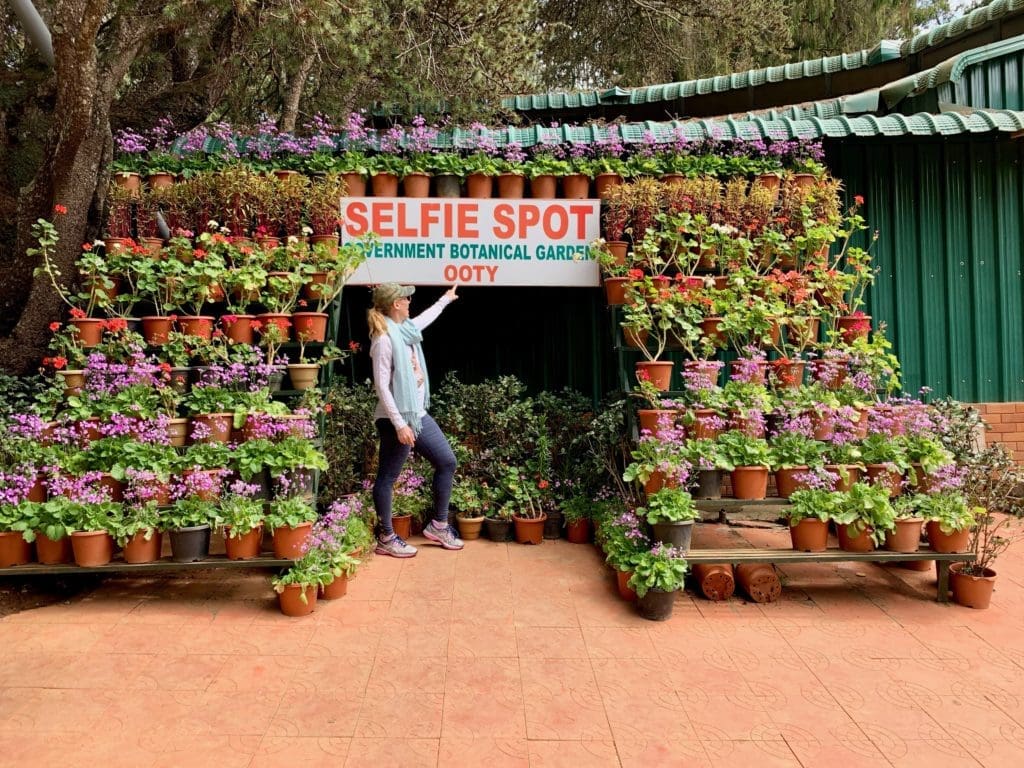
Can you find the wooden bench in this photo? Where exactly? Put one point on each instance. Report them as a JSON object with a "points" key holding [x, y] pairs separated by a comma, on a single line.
{"points": [[736, 556], [163, 564]]}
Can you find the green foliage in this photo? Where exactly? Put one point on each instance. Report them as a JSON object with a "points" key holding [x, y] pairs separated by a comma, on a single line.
{"points": [[145, 519], [669, 505], [738, 449], [866, 506], [310, 570], [190, 512], [22, 517], [817, 504], [349, 437], [792, 449], [289, 513], [948, 509], [661, 568]]}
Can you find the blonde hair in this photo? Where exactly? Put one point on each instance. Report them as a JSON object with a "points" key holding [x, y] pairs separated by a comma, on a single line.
{"points": [[377, 322]]}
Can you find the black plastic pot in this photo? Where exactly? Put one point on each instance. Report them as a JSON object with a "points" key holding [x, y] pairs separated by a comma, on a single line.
{"points": [[275, 380], [709, 484], [190, 544], [674, 534], [196, 373], [180, 380], [553, 525], [498, 529], [656, 605], [447, 185]]}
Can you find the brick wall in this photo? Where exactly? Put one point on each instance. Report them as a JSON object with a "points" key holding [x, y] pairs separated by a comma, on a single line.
{"points": [[1007, 425]]}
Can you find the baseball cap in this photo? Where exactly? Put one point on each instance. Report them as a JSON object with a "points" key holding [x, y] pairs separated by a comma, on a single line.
{"points": [[386, 294]]}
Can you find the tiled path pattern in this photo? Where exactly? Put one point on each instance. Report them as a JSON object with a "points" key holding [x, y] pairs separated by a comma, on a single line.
{"points": [[505, 655]]}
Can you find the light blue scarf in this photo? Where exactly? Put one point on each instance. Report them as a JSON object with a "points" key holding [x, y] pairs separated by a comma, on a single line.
{"points": [[404, 380]]}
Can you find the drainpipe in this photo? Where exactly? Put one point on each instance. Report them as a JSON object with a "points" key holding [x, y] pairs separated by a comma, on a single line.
{"points": [[35, 28]]}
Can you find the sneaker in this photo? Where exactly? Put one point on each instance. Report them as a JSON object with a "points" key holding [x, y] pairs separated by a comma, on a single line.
{"points": [[444, 535], [395, 547]]}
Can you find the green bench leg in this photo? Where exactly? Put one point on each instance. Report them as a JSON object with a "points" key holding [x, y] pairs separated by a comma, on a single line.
{"points": [[943, 588]]}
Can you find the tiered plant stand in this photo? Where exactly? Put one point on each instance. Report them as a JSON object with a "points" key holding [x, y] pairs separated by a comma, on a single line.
{"points": [[162, 565]]}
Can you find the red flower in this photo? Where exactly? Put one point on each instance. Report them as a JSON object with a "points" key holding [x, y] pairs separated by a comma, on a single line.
{"points": [[858, 199], [116, 325], [328, 408], [165, 367], [60, 209], [302, 302], [77, 313], [229, 319], [218, 333], [543, 484], [635, 274], [354, 346], [256, 325], [86, 246], [59, 363], [54, 327], [643, 375], [199, 253]]}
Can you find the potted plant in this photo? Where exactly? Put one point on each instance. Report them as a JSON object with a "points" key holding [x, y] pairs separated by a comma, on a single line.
{"points": [[863, 517], [990, 484], [448, 171], [341, 535], [671, 513], [290, 519], [241, 515], [18, 518], [323, 206], [657, 575], [297, 588], [470, 516], [886, 461], [905, 535], [948, 519], [706, 465], [191, 517], [623, 542], [576, 512], [808, 514], [528, 517], [408, 501], [748, 459], [546, 164], [137, 532], [793, 454], [93, 521]]}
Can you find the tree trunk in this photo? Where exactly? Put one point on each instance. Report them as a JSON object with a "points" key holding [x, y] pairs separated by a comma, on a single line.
{"points": [[290, 109], [68, 176]]}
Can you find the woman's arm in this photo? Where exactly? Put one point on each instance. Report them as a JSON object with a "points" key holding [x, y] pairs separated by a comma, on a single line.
{"points": [[429, 315], [381, 355]]}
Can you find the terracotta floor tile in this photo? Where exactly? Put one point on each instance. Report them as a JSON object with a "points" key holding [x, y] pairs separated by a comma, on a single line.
{"points": [[153, 712], [256, 673], [394, 753], [551, 612], [479, 676], [499, 713], [766, 752], [371, 589], [414, 675], [482, 640], [388, 711], [727, 717], [550, 642], [207, 750], [416, 640], [656, 751], [353, 613], [588, 753], [52, 710], [486, 751], [307, 751], [141, 638], [342, 640], [618, 643], [563, 700], [185, 672], [316, 714]]}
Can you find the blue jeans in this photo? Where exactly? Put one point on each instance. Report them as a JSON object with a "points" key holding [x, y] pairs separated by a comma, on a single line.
{"points": [[431, 445]]}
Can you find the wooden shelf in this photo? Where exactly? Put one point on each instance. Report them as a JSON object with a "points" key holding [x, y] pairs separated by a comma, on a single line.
{"points": [[161, 565]]}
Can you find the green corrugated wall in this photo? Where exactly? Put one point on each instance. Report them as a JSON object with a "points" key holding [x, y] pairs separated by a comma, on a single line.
{"points": [[949, 216]]}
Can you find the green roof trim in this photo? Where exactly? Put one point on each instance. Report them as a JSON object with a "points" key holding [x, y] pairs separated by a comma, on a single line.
{"points": [[949, 71], [884, 51], [961, 25]]}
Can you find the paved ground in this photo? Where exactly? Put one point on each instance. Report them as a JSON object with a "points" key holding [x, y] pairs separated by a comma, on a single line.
{"points": [[504, 655]]}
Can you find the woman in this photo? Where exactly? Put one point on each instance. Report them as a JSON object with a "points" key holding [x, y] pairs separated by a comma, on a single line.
{"points": [[403, 396]]}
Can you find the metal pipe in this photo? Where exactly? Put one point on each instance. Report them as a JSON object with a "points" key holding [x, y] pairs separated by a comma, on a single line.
{"points": [[35, 28]]}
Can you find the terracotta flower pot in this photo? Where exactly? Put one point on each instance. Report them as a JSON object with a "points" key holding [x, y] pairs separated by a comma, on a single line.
{"points": [[244, 547], [479, 186], [129, 180], [622, 583], [853, 327], [416, 185], [544, 187], [327, 242], [355, 184], [139, 549], [280, 319], [155, 329], [219, 425], [658, 371], [957, 541], [578, 531], [92, 548], [704, 426], [303, 375], [575, 186], [789, 374], [469, 527], [529, 530], [511, 186], [847, 475], [336, 590], [90, 330], [615, 290], [384, 185], [240, 329], [650, 419], [177, 432], [200, 326], [971, 591], [716, 580], [809, 535], [786, 482], [290, 542], [906, 537], [311, 326], [53, 552], [73, 381], [402, 525], [290, 600], [711, 328], [604, 183], [750, 482], [158, 180], [861, 542], [14, 550], [884, 477]]}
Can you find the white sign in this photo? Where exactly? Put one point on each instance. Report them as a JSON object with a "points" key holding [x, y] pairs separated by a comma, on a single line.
{"points": [[440, 241]]}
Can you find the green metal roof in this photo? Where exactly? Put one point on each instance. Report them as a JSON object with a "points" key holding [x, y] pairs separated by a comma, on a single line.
{"points": [[961, 25], [884, 51], [950, 70]]}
